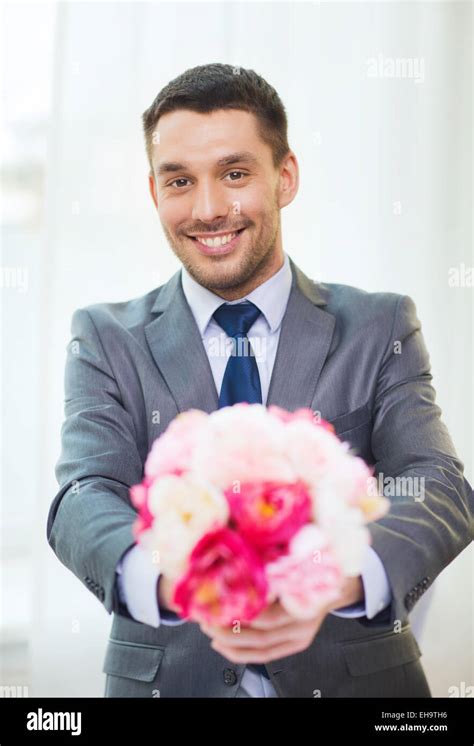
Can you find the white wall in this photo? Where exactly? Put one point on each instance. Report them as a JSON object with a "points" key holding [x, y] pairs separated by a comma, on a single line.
{"points": [[384, 204]]}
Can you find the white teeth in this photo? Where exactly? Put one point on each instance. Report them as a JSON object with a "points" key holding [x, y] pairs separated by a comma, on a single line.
{"points": [[217, 241]]}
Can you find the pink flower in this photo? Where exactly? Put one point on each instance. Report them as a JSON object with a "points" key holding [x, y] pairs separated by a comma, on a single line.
{"points": [[308, 577], [242, 443], [225, 581], [313, 452], [171, 452], [139, 498], [268, 514], [302, 414], [249, 504], [183, 509], [353, 478], [364, 491]]}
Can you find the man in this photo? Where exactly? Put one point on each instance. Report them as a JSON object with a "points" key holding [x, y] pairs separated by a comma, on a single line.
{"points": [[220, 172]]}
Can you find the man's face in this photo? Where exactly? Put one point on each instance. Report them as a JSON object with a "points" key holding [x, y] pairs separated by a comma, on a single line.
{"points": [[218, 195]]}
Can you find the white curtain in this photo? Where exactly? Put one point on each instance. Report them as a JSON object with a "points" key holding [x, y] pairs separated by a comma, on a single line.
{"points": [[384, 204]]}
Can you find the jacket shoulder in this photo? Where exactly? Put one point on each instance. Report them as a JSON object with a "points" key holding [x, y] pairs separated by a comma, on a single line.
{"points": [[127, 314], [362, 307]]}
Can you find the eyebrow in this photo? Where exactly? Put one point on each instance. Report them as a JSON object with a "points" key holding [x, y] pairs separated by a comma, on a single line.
{"points": [[242, 157]]}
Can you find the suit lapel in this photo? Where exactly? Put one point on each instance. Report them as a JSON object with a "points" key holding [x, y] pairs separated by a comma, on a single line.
{"points": [[179, 353], [305, 338]]}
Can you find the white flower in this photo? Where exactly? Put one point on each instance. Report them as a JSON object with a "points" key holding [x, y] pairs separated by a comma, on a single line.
{"points": [[345, 529], [242, 443], [184, 509], [313, 452]]}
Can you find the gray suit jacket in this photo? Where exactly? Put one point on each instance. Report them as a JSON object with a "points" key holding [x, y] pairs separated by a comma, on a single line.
{"points": [[132, 366]]}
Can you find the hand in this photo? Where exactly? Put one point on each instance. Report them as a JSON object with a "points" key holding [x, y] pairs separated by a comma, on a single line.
{"points": [[274, 633], [165, 593]]}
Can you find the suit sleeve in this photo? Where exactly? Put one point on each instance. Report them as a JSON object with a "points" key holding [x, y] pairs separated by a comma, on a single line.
{"points": [[90, 520], [431, 515]]}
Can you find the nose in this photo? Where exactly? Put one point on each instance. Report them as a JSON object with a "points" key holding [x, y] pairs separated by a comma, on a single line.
{"points": [[210, 202]]}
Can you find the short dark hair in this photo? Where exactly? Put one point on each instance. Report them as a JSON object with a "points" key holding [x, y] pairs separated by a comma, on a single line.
{"points": [[216, 86]]}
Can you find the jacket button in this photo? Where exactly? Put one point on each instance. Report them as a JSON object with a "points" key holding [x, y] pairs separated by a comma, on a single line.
{"points": [[230, 677]]}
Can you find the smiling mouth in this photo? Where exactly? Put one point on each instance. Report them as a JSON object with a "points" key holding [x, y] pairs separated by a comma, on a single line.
{"points": [[218, 241]]}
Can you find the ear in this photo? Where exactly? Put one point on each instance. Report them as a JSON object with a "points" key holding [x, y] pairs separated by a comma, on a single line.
{"points": [[289, 179], [152, 188]]}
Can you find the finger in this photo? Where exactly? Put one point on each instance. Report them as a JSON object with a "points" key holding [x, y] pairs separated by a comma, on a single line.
{"points": [[266, 633], [251, 655], [263, 638], [274, 616]]}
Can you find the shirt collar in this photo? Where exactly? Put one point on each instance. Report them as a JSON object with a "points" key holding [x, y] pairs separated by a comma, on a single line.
{"points": [[271, 297]]}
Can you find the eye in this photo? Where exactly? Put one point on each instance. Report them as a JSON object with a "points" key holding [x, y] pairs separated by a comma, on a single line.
{"points": [[241, 173], [176, 180]]}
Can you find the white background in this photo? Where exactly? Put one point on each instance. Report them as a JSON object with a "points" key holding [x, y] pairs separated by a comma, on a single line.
{"points": [[384, 204]]}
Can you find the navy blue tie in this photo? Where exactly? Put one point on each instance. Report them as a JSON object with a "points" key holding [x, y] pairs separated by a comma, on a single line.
{"points": [[241, 380]]}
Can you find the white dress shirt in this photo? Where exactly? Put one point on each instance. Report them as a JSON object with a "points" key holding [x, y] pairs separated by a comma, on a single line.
{"points": [[137, 575]]}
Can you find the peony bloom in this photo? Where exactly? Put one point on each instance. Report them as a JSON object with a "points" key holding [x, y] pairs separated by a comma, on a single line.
{"points": [[343, 505], [346, 533], [242, 443], [249, 504], [308, 578], [171, 451], [364, 494], [268, 514], [354, 482], [304, 414], [313, 451], [225, 581], [183, 509], [139, 498]]}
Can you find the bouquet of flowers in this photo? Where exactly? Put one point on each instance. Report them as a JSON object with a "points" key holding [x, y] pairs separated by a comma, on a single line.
{"points": [[251, 504]]}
